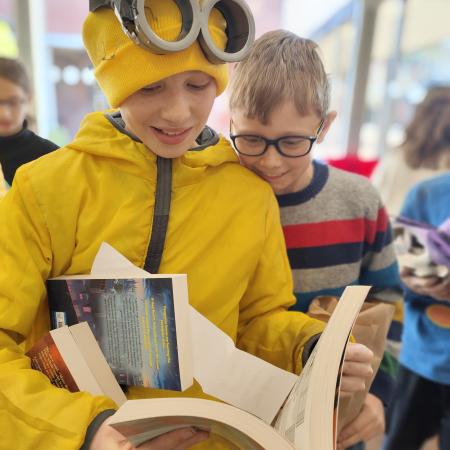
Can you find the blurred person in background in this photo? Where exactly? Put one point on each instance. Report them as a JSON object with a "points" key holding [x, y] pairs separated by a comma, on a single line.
{"points": [[18, 144], [420, 407], [424, 153]]}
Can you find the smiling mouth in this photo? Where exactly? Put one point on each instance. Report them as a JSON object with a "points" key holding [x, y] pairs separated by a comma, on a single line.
{"points": [[272, 177], [171, 133], [171, 137]]}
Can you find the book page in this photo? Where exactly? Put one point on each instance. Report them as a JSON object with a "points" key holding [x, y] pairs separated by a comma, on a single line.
{"points": [[234, 376], [140, 420], [92, 354], [109, 261], [308, 418], [292, 414]]}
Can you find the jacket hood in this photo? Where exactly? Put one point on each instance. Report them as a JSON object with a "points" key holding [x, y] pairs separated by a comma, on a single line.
{"points": [[102, 135]]}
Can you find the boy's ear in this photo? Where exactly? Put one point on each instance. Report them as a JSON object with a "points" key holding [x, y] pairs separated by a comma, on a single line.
{"points": [[329, 119]]}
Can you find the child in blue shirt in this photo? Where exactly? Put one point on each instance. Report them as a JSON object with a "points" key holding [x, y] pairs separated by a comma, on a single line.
{"points": [[420, 406]]}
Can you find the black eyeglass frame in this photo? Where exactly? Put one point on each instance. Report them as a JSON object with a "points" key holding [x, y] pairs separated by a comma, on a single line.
{"points": [[275, 142]]}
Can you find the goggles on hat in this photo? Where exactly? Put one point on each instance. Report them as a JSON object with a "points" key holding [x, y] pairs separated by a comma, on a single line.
{"points": [[240, 28]]}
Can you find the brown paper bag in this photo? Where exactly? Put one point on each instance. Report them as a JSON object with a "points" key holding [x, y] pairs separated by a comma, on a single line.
{"points": [[371, 328]]}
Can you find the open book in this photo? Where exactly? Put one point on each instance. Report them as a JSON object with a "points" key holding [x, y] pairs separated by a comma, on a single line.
{"points": [[264, 407], [306, 421]]}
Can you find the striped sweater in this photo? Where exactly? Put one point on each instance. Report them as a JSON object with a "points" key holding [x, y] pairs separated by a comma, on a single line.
{"points": [[337, 234]]}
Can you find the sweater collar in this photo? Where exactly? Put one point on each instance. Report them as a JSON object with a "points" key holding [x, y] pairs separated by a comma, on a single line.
{"points": [[320, 177]]}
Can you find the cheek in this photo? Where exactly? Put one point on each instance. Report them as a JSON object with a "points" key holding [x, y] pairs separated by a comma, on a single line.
{"points": [[246, 161], [133, 121], [21, 116], [298, 166], [205, 104]]}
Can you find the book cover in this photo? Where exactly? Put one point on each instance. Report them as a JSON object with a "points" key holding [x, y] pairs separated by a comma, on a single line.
{"points": [[140, 320], [133, 321], [46, 357], [71, 358]]}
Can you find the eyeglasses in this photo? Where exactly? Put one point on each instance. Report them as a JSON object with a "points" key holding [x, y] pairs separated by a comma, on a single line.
{"points": [[13, 104], [288, 146]]}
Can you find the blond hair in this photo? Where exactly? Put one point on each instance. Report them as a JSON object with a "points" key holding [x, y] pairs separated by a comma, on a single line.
{"points": [[427, 139], [280, 66]]}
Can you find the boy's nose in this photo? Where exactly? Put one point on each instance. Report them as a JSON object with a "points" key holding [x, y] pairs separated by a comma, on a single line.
{"points": [[271, 158], [176, 111]]}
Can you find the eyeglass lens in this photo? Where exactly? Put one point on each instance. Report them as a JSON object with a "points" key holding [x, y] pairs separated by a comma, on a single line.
{"points": [[256, 145]]}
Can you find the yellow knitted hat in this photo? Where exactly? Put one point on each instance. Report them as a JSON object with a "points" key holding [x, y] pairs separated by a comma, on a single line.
{"points": [[121, 67]]}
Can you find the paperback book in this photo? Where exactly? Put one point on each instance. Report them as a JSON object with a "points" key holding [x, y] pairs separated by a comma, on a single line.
{"points": [[140, 323]]}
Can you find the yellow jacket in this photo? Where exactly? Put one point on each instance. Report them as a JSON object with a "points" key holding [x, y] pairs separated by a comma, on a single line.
{"points": [[224, 232]]}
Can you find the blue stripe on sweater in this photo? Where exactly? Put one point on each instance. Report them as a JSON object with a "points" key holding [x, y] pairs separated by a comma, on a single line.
{"points": [[305, 298], [383, 278]]}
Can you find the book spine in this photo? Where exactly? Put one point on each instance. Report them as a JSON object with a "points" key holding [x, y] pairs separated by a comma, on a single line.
{"points": [[61, 307]]}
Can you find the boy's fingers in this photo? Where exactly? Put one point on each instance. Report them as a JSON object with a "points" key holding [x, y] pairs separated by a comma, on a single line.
{"points": [[358, 353], [357, 369], [354, 427], [361, 435], [352, 384], [369, 423], [175, 440], [199, 437]]}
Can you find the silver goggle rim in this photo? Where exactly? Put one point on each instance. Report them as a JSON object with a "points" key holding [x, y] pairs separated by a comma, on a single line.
{"points": [[238, 16]]}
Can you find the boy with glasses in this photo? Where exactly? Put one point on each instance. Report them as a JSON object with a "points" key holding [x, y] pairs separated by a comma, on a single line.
{"points": [[336, 229]]}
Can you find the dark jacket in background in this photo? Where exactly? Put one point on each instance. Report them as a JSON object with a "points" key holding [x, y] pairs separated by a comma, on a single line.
{"points": [[20, 148]]}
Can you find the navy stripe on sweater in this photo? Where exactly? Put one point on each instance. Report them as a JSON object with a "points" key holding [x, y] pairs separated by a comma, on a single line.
{"points": [[333, 255]]}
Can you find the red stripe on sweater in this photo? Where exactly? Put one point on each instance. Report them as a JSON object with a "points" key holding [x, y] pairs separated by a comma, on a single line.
{"points": [[335, 232]]}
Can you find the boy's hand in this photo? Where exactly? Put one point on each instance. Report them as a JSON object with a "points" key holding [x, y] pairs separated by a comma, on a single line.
{"points": [[107, 438], [357, 368], [437, 288], [369, 423]]}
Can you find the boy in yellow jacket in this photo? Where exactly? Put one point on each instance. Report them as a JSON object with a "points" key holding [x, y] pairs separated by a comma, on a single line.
{"points": [[223, 230]]}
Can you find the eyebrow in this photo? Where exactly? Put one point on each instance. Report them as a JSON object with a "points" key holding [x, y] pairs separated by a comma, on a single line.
{"points": [[286, 134], [14, 97]]}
